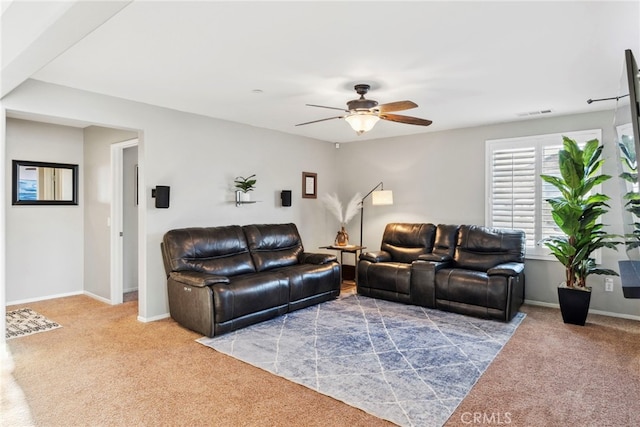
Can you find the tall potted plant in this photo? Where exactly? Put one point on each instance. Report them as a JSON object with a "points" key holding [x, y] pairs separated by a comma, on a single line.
{"points": [[576, 212]]}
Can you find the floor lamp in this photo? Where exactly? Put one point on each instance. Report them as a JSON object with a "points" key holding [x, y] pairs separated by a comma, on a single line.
{"points": [[379, 197]]}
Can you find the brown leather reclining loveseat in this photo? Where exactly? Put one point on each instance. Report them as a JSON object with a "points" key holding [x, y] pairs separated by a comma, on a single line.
{"points": [[224, 278], [465, 269]]}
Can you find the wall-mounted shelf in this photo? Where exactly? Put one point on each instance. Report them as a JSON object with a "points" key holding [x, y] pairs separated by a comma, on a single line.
{"points": [[240, 202]]}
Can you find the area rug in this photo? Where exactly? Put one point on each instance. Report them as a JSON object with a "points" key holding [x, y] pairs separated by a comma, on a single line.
{"points": [[25, 322], [409, 365]]}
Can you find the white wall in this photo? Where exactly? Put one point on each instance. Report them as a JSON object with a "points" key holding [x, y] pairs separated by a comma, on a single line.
{"points": [[436, 177], [97, 206], [45, 243], [198, 157], [440, 178]]}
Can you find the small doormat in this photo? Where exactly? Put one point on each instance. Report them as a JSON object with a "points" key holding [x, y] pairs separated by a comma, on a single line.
{"points": [[25, 322]]}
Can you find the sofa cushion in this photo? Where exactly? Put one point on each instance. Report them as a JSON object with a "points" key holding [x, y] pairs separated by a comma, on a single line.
{"points": [[250, 293], [388, 276], [445, 241], [471, 288], [481, 248], [307, 280], [273, 245], [406, 242], [214, 250]]}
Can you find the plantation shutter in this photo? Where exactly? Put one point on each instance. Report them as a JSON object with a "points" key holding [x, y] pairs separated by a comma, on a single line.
{"points": [[516, 195], [550, 166], [513, 190]]}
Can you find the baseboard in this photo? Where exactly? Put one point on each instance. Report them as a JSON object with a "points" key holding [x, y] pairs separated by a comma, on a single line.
{"points": [[599, 312], [541, 304], [129, 290], [97, 297], [154, 318], [48, 297]]}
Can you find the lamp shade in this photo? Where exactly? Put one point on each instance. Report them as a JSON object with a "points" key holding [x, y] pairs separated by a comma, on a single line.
{"points": [[382, 197], [362, 122]]}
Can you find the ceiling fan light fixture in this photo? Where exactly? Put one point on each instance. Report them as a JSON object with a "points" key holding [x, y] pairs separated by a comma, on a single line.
{"points": [[362, 122], [363, 114]]}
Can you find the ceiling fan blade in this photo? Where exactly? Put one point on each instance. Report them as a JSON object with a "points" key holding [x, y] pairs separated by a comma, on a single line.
{"points": [[321, 120], [397, 106], [405, 119], [324, 106]]}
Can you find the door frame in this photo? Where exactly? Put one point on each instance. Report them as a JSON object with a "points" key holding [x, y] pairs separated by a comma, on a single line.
{"points": [[117, 220]]}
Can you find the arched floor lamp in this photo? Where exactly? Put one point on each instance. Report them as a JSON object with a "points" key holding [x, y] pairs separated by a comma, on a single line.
{"points": [[379, 197]]}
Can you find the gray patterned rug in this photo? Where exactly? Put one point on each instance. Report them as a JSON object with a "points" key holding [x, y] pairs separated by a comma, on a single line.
{"points": [[24, 321], [406, 364]]}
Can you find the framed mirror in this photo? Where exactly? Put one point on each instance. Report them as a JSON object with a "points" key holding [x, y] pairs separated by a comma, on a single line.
{"points": [[42, 183]]}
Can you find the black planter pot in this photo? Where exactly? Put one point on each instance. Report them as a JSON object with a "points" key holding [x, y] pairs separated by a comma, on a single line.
{"points": [[630, 278], [574, 305]]}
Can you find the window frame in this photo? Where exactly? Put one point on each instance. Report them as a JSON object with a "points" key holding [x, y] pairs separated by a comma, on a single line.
{"points": [[537, 142]]}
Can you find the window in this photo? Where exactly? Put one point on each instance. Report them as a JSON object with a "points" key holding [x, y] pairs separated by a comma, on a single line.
{"points": [[515, 192]]}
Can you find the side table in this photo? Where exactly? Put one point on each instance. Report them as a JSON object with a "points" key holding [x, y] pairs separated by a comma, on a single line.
{"points": [[352, 249]]}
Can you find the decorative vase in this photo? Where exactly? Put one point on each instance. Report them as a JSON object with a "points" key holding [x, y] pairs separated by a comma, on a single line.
{"points": [[342, 239]]}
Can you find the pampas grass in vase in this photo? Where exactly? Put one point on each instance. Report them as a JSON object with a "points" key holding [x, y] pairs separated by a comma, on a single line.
{"points": [[334, 206]]}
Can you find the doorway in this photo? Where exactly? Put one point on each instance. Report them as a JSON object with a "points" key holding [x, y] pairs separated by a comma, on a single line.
{"points": [[124, 221], [130, 224]]}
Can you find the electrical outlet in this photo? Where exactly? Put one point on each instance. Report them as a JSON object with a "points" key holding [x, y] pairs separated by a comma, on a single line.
{"points": [[608, 284]]}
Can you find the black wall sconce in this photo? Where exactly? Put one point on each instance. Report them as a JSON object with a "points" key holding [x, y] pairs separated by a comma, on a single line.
{"points": [[285, 196], [161, 194]]}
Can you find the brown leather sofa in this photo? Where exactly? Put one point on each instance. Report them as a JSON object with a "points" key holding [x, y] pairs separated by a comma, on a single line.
{"points": [[466, 269], [221, 279]]}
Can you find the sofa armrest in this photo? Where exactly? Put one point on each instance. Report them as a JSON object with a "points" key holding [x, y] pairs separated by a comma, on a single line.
{"points": [[378, 256], [435, 265], [434, 257], [197, 278], [423, 281], [318, 259], [506, 269]]}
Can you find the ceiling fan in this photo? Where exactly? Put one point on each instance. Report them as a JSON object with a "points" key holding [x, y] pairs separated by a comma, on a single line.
{"points": [[363, 113]]}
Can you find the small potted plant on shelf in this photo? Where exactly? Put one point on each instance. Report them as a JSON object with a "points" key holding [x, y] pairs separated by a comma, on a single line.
{"points": [[244, 186], [576, 212]]}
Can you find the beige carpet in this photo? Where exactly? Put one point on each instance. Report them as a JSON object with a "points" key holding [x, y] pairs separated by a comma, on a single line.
{"points": [[552, 374], [106, 368]]}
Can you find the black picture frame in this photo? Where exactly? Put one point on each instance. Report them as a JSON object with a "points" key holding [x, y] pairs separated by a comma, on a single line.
{"points": [[18, 195]]}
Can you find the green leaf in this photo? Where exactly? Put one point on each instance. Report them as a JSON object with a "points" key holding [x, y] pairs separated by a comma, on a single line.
{"points": [[594, 163], [245, 184], [554, 180], [632, 196], [604, 272], [593, 181], [591, 152], [572, 147], [571, 172]]}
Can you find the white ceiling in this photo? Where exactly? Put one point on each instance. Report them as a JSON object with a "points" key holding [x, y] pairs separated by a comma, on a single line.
{"points": [[463, 63]]}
